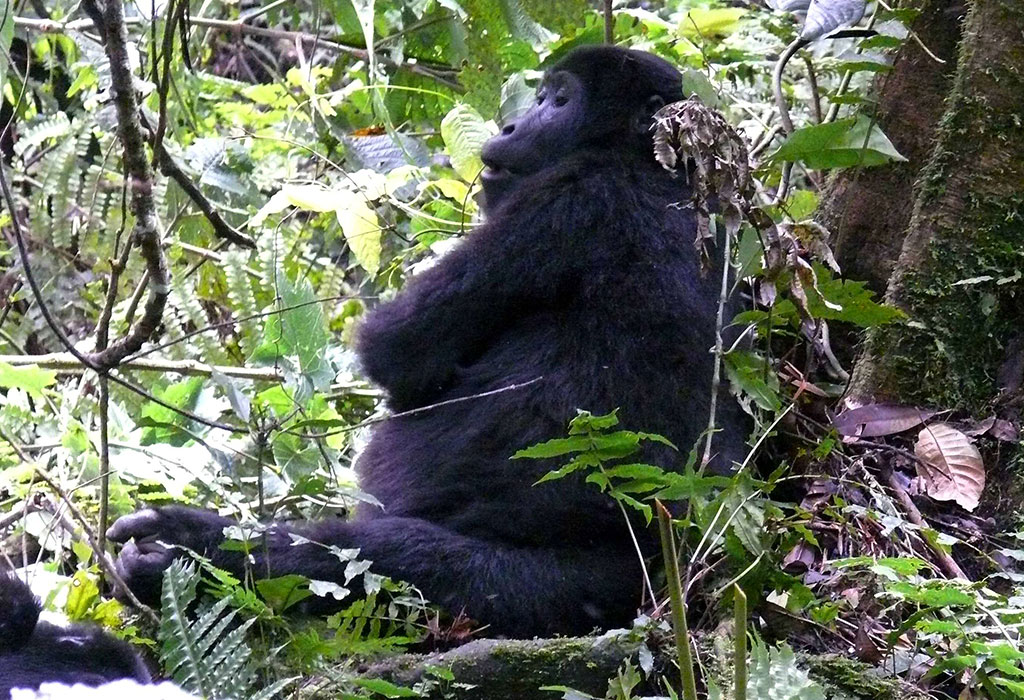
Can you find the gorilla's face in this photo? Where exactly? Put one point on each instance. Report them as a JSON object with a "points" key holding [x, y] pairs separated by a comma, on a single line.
{"points": [[551, 129]]}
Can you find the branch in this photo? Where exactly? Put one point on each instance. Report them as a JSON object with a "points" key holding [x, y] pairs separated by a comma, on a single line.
{"points": [[169, 167], [68, 363], [143, 206]]}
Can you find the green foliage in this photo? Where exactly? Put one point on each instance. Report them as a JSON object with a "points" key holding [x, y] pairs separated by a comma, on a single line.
{"points": [[773, 673], [601, 453], [206, 655], [842, 144], [966, 628]]}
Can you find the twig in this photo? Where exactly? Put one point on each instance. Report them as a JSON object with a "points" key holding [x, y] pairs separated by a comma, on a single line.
{"points": [[414, 411], [716, 378], [946, 562], [609, 23]]}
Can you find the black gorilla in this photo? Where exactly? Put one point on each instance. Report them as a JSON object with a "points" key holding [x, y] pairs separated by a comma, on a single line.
{"points": [[33, 652], [585, 282]]}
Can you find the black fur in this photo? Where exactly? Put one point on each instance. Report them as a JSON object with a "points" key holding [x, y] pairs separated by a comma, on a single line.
{"points": [[585, 282], [33, 652]]}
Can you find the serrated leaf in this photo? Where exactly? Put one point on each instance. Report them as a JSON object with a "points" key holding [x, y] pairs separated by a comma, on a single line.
{"points": [[464, 132], [841, 144], [31, 379], [950, 466]]}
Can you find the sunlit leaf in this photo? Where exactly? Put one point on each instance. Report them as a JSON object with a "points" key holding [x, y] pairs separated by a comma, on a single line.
{"points": [[824, 16], [464, 132]]}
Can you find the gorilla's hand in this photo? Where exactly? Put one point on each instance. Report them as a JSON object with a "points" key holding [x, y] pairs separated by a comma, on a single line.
{"points": [[157, 535]]}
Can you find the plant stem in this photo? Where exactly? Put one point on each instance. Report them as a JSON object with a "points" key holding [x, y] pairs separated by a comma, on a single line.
{"points": [[675, 591], [739, 660]]}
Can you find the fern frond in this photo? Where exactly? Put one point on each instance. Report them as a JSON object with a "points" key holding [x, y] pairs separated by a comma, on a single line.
{"points": [[206, 656]]}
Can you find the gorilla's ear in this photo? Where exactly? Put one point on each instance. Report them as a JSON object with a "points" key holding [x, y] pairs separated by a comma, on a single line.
{"points": [[644, 115]]}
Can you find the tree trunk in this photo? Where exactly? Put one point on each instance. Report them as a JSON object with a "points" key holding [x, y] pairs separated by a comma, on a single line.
{"points": [[959, 274], [868, 210]]}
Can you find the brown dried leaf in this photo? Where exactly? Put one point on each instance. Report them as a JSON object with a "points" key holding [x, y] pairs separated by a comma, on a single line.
{"points": [[950, 466], [877, 419]]}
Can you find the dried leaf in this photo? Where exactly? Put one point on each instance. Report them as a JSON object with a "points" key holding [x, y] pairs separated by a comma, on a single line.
{"points": [[950, 466], [878, 419], [1004, 430]]}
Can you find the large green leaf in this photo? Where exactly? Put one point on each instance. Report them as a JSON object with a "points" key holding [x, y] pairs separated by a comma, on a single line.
{"points": [[842, 144]]}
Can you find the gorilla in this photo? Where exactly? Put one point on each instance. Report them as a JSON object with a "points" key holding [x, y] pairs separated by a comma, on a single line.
{"points": [[583, 290], [34, 652]]}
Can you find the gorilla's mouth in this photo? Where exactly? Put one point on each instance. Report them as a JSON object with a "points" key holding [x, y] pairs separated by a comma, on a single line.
{"points": [[495, 172]]}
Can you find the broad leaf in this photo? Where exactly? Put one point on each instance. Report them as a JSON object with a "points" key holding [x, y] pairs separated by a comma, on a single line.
{"points": [[824, 16], [464, 132], [950, 466], [841, 144]]}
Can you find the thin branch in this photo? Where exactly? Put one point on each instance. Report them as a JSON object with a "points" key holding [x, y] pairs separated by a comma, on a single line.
{"points": [[716, 378], [68, 363], [170, 168], [414, 411], [609, 23]]}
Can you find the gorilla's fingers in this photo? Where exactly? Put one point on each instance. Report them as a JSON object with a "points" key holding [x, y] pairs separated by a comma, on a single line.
{"points": [[144, 523]]}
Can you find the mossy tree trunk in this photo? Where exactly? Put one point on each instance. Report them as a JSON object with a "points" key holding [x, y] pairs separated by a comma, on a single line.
{"points": [[960, 274], [869, 210]]}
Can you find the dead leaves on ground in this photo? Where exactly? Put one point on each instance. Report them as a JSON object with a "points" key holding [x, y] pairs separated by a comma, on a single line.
{"points": [[949, 465]]}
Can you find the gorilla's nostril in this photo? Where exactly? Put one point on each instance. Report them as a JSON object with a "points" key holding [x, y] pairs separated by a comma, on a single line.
{"points": [[508, 129]]}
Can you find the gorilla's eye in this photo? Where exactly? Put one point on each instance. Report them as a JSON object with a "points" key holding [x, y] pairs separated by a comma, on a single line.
{"points": [[561, 101]]}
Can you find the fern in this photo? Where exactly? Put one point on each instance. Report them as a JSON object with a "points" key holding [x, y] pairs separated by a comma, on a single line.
{"points": [[241, 296], [207, 656]]}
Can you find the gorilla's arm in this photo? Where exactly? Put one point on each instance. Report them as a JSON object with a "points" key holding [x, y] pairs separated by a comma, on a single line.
{"points": [[520, 590], [514, 265]]}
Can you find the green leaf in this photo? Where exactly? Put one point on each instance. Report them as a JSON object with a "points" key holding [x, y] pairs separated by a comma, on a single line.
{"points": [[284, 591], [554, 448], [84, 592], [361, 228], [30, 379], [750, 374], [701, 23], [464, 132], [162, 425], [841, 144], [383, 687], [586, 422]]}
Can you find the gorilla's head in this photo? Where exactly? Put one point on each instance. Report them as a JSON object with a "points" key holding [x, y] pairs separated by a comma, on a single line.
{"points": [[597, 97]]}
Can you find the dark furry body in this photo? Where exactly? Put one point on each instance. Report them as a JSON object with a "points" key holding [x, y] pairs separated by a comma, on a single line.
{"points": [[33, 652], [585, 288]]}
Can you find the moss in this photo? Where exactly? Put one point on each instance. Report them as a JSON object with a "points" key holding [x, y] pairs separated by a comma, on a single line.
{"points": [[856, 680]]}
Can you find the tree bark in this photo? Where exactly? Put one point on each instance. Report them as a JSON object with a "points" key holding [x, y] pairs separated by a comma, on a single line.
{"points": [[959, 274], [868, 210]]}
